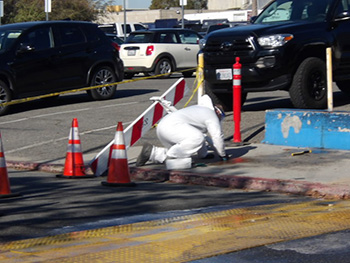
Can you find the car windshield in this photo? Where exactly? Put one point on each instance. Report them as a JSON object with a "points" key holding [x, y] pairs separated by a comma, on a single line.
{"points": [[7, 38], [139, 38], [294, 10]]}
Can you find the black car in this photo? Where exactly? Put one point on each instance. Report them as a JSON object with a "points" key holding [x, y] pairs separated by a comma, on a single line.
{"points": [[39, 58], [283, 49], [115, 38]]}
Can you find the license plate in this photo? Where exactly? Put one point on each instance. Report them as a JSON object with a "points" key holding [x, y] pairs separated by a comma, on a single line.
{"points": [[131, 52], [224, 74]]}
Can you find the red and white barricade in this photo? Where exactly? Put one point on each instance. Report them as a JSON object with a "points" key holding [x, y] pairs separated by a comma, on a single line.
{"points": [[99, 164]]}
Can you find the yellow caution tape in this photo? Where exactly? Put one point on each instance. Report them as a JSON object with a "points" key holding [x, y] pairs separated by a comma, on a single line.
{"points": [[300, 153], [18, 101]]}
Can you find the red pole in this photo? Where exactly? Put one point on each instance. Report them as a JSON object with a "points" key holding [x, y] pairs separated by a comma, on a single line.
{"points": [[237, 90]]}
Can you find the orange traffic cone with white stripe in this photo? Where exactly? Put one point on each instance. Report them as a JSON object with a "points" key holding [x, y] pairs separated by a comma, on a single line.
{"points": [[74, 165], [5, 190], [118, 169]]}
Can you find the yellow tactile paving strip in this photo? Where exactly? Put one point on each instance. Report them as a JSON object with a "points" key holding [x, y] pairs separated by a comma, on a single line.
{"points": [[185, 238]]}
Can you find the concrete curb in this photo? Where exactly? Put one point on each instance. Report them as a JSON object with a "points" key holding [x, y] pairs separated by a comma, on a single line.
{"points": [[305, 188]]}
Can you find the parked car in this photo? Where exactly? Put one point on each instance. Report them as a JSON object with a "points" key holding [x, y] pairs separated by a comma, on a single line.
{"points": [[208, 22], [115, 39], [283, 49], [212, 28], [160, 51], [39, 58], [118, 28]]}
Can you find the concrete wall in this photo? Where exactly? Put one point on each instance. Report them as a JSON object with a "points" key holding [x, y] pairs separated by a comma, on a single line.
{"points": [[308, 128], [145, 16], [149, 16], [227, 4]]}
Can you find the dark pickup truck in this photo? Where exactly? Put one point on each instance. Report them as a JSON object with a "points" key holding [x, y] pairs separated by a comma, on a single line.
{"points": [[284, 48]]}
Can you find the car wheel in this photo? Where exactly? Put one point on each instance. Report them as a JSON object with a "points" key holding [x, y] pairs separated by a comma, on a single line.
{"points": [[103, 75], [224, 99], [163, 67], [309, 86], [344, 86], [5, 96]]}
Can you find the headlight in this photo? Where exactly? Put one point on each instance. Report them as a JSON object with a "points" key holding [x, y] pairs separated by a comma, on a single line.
{"points": [[202, 43], [274, 40]]}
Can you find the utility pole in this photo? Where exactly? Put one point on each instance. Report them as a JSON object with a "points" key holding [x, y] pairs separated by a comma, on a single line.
{"points": [[124, 29], [1, 10], [254, 7], [47, 8], [182, 4]]}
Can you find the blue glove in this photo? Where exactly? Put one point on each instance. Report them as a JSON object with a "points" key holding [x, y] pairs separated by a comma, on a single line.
{"points": [[225, 158]]}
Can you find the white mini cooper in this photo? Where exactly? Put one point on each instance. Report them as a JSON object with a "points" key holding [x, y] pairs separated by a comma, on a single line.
{"points": [[160, 51]]}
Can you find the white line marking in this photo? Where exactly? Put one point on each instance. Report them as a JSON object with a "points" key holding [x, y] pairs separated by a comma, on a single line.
{"points": [[64, 112], [62, 138]]}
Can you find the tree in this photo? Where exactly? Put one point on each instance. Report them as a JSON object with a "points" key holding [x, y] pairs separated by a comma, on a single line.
{"points": [[9, 11], [191, 4], [34, 10]]}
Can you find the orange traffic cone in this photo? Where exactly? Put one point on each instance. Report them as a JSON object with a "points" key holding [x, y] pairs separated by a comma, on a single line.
{"points": [[74, 165], [5, 190], [118, 169]]}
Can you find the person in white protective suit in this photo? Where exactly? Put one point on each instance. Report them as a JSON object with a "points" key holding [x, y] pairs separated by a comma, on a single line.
{"points": [[183, 133]]}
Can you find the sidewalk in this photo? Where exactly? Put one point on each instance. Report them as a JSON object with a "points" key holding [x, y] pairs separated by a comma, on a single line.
{"points": [[320, 173]]}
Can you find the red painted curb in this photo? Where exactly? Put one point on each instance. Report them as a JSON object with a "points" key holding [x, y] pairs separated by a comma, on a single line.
{"points": [[305, 188]]}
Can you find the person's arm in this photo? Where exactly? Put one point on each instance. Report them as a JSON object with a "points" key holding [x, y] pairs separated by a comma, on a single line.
{"points": [[217, 136], [165, 103]]}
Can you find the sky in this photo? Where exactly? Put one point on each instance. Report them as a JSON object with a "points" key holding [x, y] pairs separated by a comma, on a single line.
{"points": [[130, 4]]}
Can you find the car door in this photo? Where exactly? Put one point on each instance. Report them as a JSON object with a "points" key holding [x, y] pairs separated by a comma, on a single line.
{"points": [[170, 43], [35, 65], [190, 48], [74, 55]]}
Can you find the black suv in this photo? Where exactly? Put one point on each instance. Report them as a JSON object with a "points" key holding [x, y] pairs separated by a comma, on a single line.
{"points": [[39, 58], [283, 49]]}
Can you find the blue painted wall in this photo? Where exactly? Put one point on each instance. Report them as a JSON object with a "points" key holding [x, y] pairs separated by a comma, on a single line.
{"points": [[308, 128]]}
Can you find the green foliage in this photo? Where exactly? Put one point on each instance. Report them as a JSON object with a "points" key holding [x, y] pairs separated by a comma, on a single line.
{"points": [[34, 10], [191, 4]]}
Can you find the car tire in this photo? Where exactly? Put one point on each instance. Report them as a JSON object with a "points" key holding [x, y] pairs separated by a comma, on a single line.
{"points": [[5, 96], [309, 85], [103, 75], [164, 66], [224, 99], [344, 86]]}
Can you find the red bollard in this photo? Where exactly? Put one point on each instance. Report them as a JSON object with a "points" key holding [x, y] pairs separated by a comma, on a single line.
{"points": [[237, 91]]}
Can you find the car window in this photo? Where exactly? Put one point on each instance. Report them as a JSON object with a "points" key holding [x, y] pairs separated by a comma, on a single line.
{"points": [[167, 37], [71, 35], [139, 27], [39, 39], [293, 10], [139, 38], [188, 38], [343, 6], [110, 29], [128, 28], [7, 38]]}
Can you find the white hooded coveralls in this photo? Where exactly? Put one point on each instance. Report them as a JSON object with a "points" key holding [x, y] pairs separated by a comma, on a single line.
{"points": [[183, 133]]}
